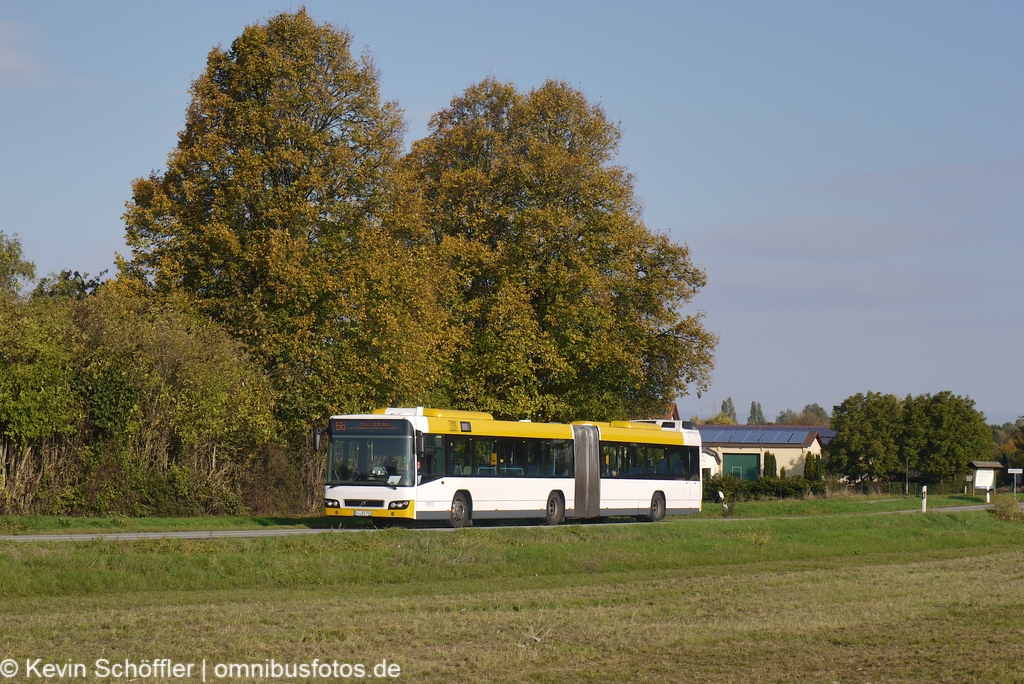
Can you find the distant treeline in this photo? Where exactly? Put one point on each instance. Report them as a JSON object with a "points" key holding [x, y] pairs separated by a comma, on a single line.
{"points": [[294, 261]]}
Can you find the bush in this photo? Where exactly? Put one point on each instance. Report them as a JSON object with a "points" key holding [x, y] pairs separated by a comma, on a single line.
{"points": [[764, 487], [1007, 508]]}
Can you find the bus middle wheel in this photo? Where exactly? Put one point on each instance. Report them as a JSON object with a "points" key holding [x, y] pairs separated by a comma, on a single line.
{"points": [[657, 507], [554, 513]]}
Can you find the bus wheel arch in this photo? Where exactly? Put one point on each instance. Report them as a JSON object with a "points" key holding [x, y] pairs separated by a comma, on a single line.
{"points": [[554, 511], [461, 512]]}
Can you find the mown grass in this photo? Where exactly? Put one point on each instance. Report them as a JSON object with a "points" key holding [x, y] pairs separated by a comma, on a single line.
{"points": [[837, 505], [835, 598]]}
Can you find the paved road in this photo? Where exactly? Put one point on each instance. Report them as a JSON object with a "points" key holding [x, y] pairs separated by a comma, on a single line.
{"points": [[195, 534], [289, 531]]}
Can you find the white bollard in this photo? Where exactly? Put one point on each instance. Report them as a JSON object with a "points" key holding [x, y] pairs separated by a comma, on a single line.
{"points": [[924, 499]]}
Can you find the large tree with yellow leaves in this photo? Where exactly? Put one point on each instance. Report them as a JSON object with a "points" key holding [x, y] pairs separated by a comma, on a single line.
{"points": [[281, 215], [571, 307]]}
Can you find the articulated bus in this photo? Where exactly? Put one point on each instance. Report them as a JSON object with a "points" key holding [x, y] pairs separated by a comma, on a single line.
{"points": [[407, 464]]}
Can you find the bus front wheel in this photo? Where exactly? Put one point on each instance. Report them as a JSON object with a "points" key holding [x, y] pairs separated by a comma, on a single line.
{"points": [[554, 514], [460, 515]]}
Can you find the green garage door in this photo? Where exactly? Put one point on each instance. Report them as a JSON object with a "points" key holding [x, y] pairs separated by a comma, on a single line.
{"points": [[743, 466]]}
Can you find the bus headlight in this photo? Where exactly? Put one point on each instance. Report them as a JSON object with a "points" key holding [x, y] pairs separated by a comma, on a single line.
{"points": [[331, 503], [398, 505]]}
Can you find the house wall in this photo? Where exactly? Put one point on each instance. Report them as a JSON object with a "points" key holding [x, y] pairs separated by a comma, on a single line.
{"points": [[708, 462], [792, 458]]}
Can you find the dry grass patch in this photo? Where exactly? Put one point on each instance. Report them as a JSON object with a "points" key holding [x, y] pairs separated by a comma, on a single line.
{"points": [[914, 622], [928, 599]]}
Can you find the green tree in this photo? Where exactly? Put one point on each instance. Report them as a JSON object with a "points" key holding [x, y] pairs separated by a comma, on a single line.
{"points": [[40, 402], [1008, 443], [68, 283], [812, 414], [869, 430], [729, 409], [720, 418], [786, 417], [942, 434], [769, 468], [570, 306], [15, 270], [756, 416], [812, 467], [281, 215]]}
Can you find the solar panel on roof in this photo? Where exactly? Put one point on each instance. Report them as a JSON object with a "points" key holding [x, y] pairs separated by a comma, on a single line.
{"points": [[712, 435]]}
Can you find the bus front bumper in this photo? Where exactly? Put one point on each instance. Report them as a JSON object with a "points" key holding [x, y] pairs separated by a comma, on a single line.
{"points": [[405, 514]]}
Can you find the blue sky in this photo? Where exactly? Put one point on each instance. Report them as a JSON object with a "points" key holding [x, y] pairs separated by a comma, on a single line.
{"points": [[850, 175]]}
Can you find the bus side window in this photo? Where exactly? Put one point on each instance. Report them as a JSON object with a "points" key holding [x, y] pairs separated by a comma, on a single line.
{"points": [[511, 457], [485, 456], [561, 457], [634, 465], [609, 465], [456, 455], [431, 463], [677, 462], [534, 457], [694, 473], [657, 465]]}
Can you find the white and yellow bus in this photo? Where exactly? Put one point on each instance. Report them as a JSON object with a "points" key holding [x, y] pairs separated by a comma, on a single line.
{"points": [[460, 466]]}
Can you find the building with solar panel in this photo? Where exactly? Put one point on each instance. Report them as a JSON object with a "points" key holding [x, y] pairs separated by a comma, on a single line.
{"points": [[741, 448]]}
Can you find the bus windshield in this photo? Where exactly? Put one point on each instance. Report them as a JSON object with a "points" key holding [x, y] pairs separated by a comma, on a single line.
{"points": [[367, 460]]}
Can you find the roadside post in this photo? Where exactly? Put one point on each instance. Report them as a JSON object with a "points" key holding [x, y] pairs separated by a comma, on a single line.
{"points": [[924, 499], [1016, 472]]}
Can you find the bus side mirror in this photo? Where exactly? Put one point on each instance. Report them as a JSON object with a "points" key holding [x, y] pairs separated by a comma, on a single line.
{"points": [[419, 444], [318, 432]]}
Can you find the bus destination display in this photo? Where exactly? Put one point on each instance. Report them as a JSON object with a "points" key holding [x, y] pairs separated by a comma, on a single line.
{"points": [[366, 426]]}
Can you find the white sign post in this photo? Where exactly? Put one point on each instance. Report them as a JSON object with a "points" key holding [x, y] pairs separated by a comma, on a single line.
{"points": [[1016, 472], [924, 499]]}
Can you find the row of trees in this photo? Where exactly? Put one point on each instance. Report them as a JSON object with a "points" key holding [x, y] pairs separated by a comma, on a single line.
{"points": [[881, 437], [293, 261], [812, 414], [502, 264]]}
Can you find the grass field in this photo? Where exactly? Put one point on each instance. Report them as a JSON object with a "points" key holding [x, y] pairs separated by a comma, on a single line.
{"points": [[843, 598]]}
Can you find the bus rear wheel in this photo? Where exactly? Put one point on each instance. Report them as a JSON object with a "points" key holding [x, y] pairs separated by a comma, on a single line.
{"points": [[460, 515], [554, 513], [657, 507]]}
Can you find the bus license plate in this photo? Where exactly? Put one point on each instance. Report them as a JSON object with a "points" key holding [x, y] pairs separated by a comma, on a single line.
{"points": [[363, 514]]}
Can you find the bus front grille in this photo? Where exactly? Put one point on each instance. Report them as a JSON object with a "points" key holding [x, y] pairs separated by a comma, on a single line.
{"points": [[364, 503]]}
